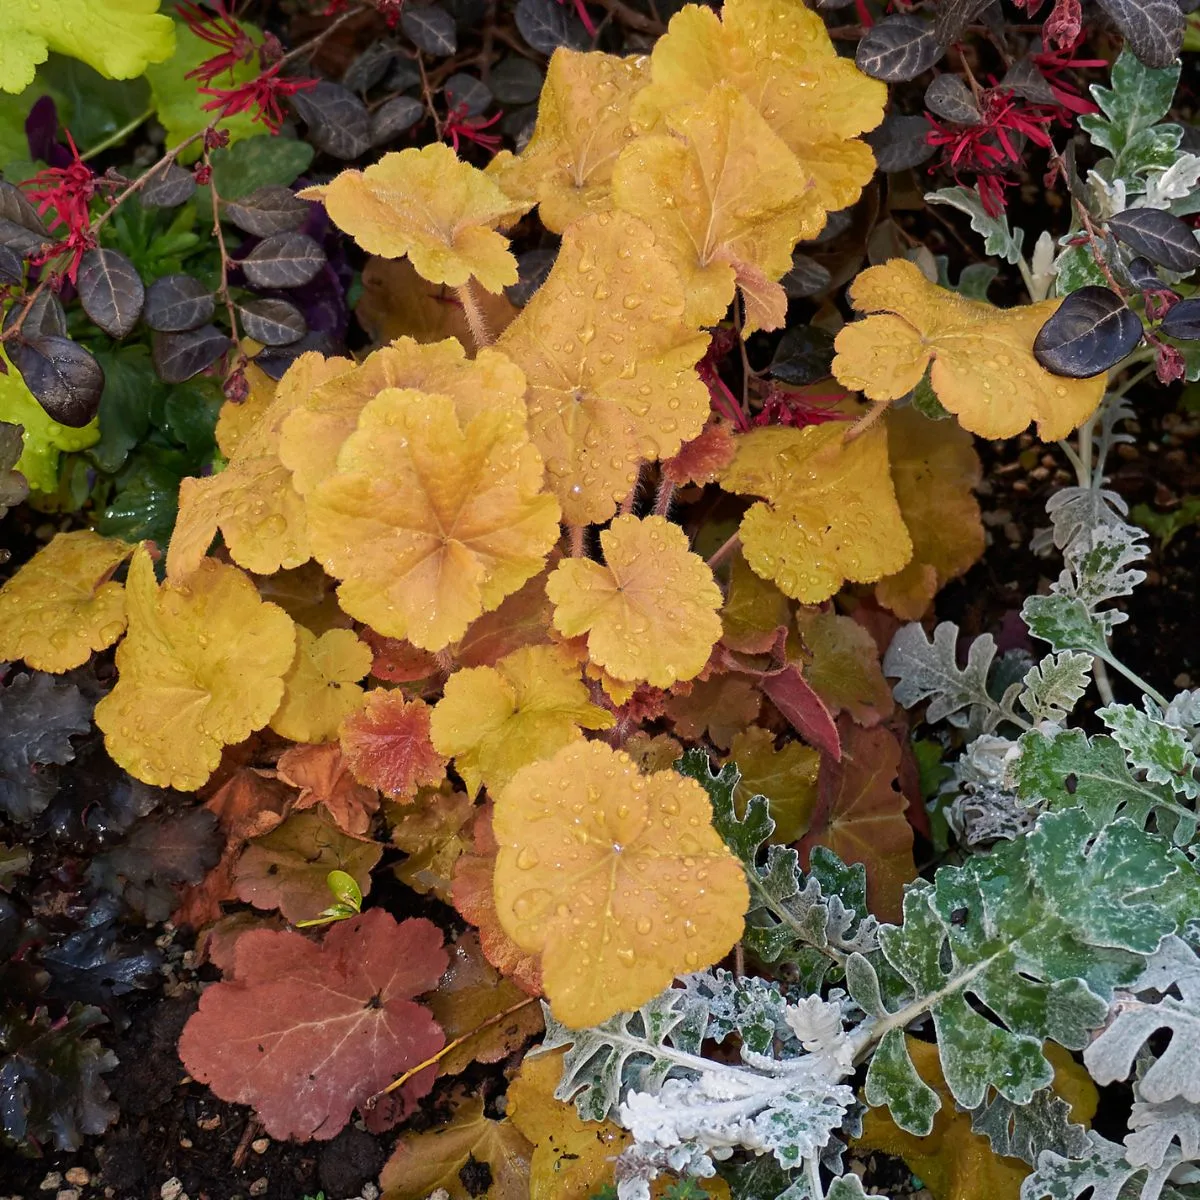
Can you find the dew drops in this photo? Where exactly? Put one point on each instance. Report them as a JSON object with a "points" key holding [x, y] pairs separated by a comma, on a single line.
{"points": [[527, 858]]}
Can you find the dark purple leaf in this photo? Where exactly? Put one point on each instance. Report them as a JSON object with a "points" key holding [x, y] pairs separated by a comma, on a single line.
{"points": [[543, 24], [952, 18], [275, 361], [168, 188], [806, 278], [19, 237], [46, 317], [369, 67], [900, 142], [337, 120], [1025, 80], [12, 266], [176, 303], [110, 290], [532, 268], [41, 132], [949, 98], [270, 210], [516, 80], [13, 485], [1142, 273], [803, 356], [284, 260], [1159, 236], [836, 223], [430, 29], [1183, 321], [470, 93], [400, 113], [272, 322], [15, 209], [38, 717], [898, 48], [64, 377], [404, 74], [179, 356], [1092, 331], [1153, 29]]}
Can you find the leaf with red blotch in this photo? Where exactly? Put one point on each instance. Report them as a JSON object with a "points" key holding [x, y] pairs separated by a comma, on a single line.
{"points": [[473, 896], [397, 660], [323, 776], [523, 619], [859, 815], [307, 1031], [387, 745]]}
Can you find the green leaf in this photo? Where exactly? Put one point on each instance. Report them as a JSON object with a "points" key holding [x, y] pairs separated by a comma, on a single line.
{"points": [[1105, 1170], [258, 161], [1025, 1130], [1066, 623], [129, 383], [1160, 750], [117, 37], [893, 1080], [147, 498], [1165, 526], [91, 107], [1075, 268], [1055, 685]]}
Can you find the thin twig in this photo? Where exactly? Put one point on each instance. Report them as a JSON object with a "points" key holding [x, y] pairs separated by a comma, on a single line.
{"points": [[115, 139], [723, 551]]}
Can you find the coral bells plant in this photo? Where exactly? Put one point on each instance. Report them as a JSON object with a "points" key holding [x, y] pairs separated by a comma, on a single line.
{"points": [[551, 613]]}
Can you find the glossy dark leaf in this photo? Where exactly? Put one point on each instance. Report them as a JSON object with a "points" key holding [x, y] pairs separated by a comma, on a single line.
{"points": [[21, 229], [543, 24], [179, 356], [38, 717], [516, 80], [404, 74], [272, 322], [12, 267], [169, 188], [1092, 331], [177, 302], [275, 361], [1025, 80], [1141, 273], [13, 485], [46, 317], [472, 94], [898, 48], [284, 260], [430, 29], [804, 355], [949, 98], [337, 120], [110, 290], [400, 113], [806, 278], [369, 67], [269, 210], [64, 377], [1183, 321], [1153, 29], [900, 142], [532, 267], [1159, 236], [952, 18]]}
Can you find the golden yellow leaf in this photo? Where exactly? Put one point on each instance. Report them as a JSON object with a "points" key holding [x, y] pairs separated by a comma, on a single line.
{"points": [[618, 879], [787, 777], [432, 829], [434, 515], [238, 417], [63, 604], [651, 754], [427, 1163], [728, 201], [429, 205], [754, 610], [582, 125], [494, 720], [779, 55], [829, 510], [934, 468], [322, 686], [609, 360], [980, 357], [201, 667], [252, 501], [314, 432], [651, 612], [953, 1161], [617, 690], [718, 706], [841, 663]]}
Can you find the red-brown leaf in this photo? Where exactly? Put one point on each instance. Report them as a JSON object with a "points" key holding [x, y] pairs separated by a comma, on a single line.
{"points": [[323, 777], [387, 745]]}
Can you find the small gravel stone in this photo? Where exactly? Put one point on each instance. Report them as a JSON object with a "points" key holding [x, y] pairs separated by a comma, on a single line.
{"points": [[79, 1177], [370, 1192], [186, 1143], [260, 1145], [207, 1123], [52, 1182], [259, 1187], [68, 1194], [172, 1189]]}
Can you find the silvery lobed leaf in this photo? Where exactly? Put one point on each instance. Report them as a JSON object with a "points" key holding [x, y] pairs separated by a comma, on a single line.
{"points": [[1054, 686], [999, 239], [1105, 1170], [1162, 751], [1025, 1130], [929, 670], [1157, 1131]]}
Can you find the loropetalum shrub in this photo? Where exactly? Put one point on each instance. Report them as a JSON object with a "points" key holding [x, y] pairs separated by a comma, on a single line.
{"points": [[619, 600]]}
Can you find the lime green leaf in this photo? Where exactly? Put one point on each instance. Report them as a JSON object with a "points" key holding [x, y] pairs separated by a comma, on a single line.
{"points": [[120, 38]]}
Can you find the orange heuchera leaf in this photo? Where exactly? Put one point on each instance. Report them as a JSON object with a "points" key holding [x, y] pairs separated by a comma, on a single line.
{"points": [[523, 619], [934, 468], [652, 754], [252, 501], [718, 706], [494, 720], [432, 831], [617, 879], [980, 358], [387, 745], [471, 993], [323, 777], [328, 414], [433, 1162], [321, 689], [779, 55], [701, 460], [651, 612], [727, 199], [309, 1030], [429, 205], [787, 777], [433, 515], [842, 665], [201, 667], [287, 868], [582, 125], [62, 604], [829, 510], [473, 896], [859, 815], [396, 660], [609, 359]]}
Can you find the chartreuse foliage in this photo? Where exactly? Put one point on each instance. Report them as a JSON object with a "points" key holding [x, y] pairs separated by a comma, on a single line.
{"points": [[377, 570]]}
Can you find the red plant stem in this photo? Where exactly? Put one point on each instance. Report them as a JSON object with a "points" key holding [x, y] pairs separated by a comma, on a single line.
{"points": [[723, 551], [218, 233], [662, 501], [575, 537]]}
